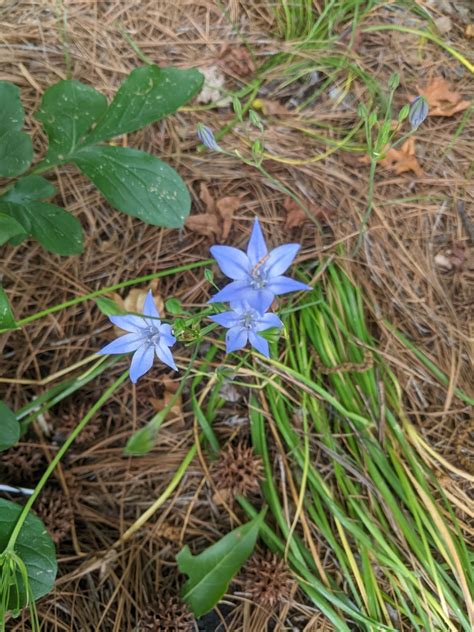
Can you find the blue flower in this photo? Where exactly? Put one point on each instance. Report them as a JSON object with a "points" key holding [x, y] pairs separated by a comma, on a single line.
{"points": [[206, 136], [257, 274], [244, 322], [419, 110], [147, 336]]}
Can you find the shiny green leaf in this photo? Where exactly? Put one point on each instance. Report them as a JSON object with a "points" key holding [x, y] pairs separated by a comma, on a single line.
{"points": [[9, 427], [56, 229], [36, 549], [9, 228], [211, 571], [67, 111], [7, 320], [147, 95], [137, 184], [16, 149]]}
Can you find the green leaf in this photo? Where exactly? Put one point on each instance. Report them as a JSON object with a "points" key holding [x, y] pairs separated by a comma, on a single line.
{"points": [[7, 320], [174, 306], [56, 229], [16, 149], [211, 571], [16, 153], [137, 184], [141, 442], [67, 111], [12, 115], [108, 306], [9, 427], [148, 94], [9, 228], [35, 547]]}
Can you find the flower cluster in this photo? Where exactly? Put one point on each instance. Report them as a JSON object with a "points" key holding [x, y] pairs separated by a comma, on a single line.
{"points": [[257, 277]]}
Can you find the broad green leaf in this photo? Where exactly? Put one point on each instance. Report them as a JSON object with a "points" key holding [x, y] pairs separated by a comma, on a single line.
{"points": [[7, 320], [148, 94], [56, 229], [12, 115], [16, 149], [108, 306], [9, 427], [9, 228], [137, 184], [30, 188], [34, 546], [16, 153], [67, 111], [211, 571]]}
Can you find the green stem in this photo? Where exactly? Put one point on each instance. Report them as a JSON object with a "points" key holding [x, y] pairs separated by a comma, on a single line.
{"points": [[61, 452], [110, 288]]}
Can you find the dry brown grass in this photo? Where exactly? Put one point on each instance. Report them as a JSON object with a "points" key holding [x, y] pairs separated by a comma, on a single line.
{"points": [[396, 269]]}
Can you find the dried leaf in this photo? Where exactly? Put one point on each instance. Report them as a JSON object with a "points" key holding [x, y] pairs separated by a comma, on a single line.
{"points": [[206, 197], [271, 108], [295, 216], [204, 224], [218, 217], [237, 60], [175, 413], [135, 300], [469, 32], [443, 24], [222, 497], [454, 258], [442, 100], [403, 160], [226, 208]]}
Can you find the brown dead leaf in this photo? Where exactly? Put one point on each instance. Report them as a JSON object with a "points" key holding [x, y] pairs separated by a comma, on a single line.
{"points": [[469, 32], [442, 99], [222, 497], [237, 60], [175, 414], [271, 108], [218, 217], [453, 259], [204, 224], [226, 208], [135, 300], [295, 216], [403, 160]]}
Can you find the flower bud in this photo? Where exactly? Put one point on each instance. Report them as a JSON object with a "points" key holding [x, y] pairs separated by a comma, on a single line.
{"points": [[418, 111], [206, 137]]}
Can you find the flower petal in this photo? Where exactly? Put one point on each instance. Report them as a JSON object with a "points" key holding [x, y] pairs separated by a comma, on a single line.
{"points": [[128, 322], [259, 299], [142, 362], [123, 344], [234, 291], [268, 321], [167, 334], [257, 248], [164, 354], [233, 262], [149, 308], [283, 284], [259, 343], [226, 319], [280, 259], [236, 339]]}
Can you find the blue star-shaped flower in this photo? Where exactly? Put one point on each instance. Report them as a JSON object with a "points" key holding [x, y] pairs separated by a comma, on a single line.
{"points": [[147, 336], [244, 322], [257, 274]]}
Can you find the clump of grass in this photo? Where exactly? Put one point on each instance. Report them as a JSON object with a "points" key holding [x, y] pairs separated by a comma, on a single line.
{"points": [[357, 493]]}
